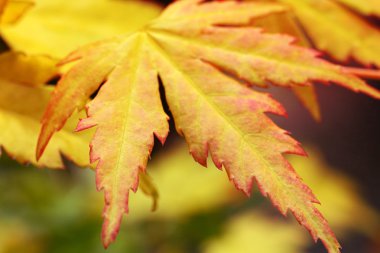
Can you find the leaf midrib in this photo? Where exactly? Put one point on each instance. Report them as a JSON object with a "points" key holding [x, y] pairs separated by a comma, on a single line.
{"points": [[166, 56], [118, 169]]}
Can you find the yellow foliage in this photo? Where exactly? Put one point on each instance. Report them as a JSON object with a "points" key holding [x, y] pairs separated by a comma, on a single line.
{"points": [[12, 10], [22, 106], [331, 35], [367, 7], [256, 232], [60, 26], [25, 69]]}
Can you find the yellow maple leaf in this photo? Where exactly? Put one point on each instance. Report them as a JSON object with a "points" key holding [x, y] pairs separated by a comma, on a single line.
{"points": [[61, 26], [12, 10], [23, 99], [25, 69], [367, 7], [327, 23]]}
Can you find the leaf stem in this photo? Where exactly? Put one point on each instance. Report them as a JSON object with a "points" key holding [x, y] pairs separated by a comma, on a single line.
{"points": [[373, 74]]}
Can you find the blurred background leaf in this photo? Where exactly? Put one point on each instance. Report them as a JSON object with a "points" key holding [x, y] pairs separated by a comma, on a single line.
{"points": [[256, 232], [23, 99], [12, 10], [61, 26]]}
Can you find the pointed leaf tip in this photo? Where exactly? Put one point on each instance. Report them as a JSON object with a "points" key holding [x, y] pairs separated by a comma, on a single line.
{"points": [[109, 233]]}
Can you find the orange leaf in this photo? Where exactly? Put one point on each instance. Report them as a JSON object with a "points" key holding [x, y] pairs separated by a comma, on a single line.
{"points": [[201, 51], [132, 103]]}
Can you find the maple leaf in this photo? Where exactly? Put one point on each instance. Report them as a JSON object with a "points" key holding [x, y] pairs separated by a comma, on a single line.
{"points": [[366, 7], [23, 99], [12, 10], [25, 69], [60, 26], [331, 35], [196, 48]]}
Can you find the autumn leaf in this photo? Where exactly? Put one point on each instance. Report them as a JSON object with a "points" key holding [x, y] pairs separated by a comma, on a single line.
{"points": [[12, 10], [359, 42], [25, 69], [248, 231], [202, 52], [61, 26], [23, 99], [366, 7], [2, 6]]}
